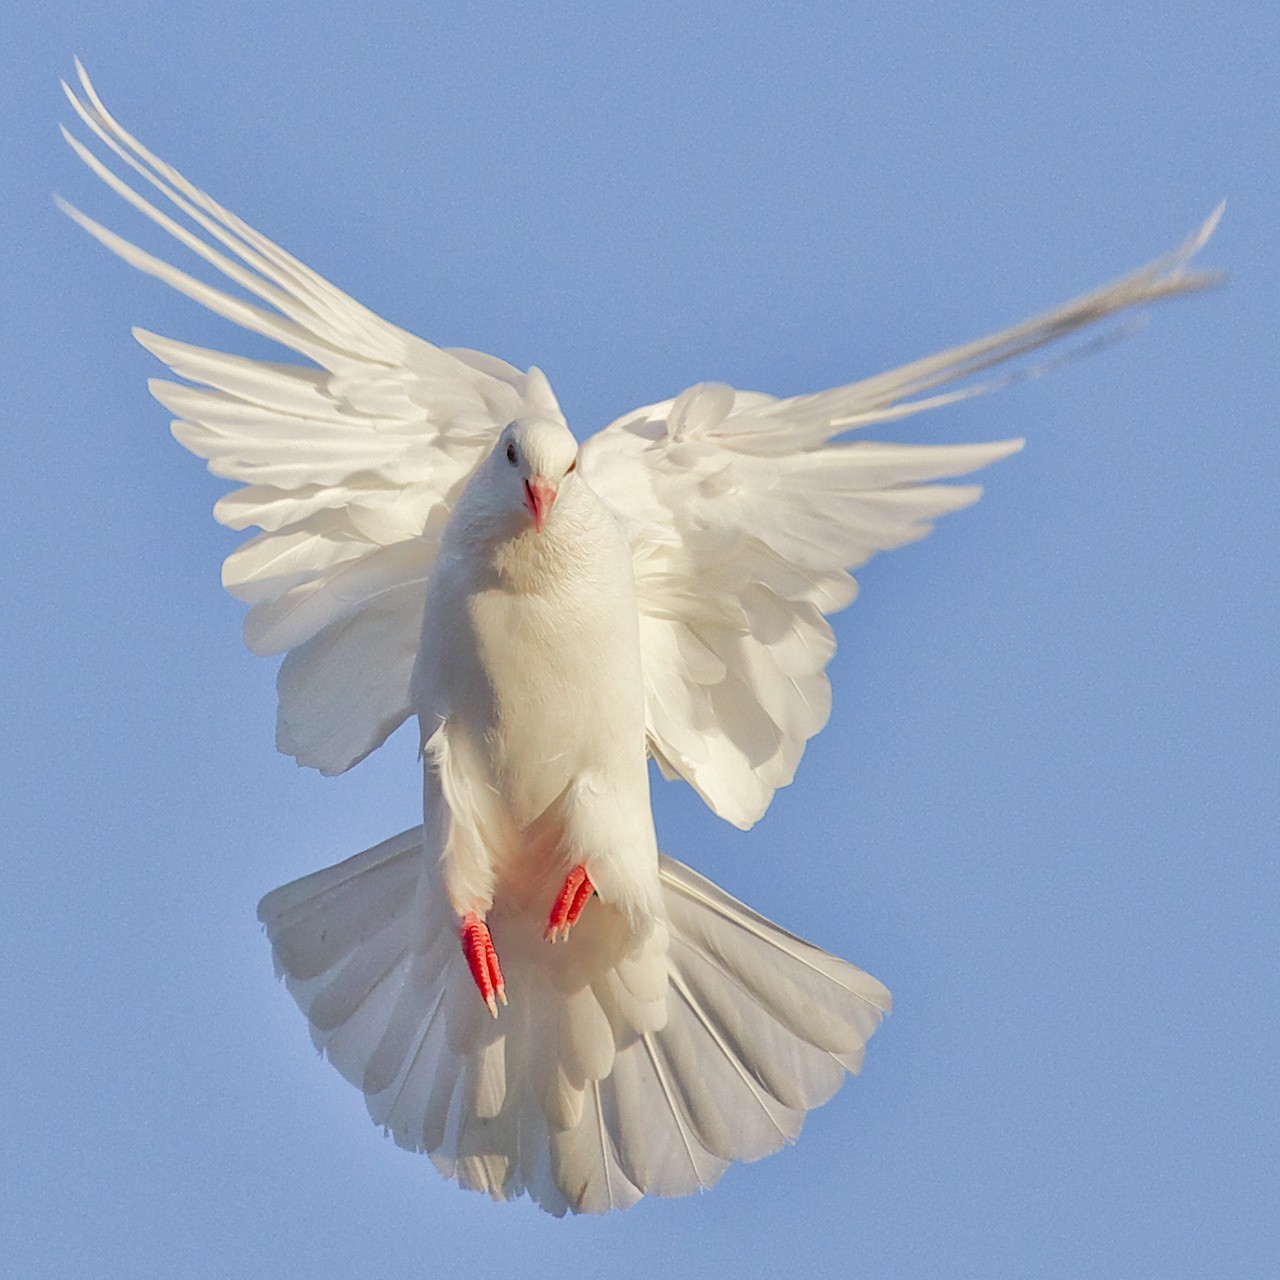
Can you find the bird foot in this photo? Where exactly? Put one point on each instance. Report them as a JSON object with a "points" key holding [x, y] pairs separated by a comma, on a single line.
{"points": [[569, 904], [478, 948]]}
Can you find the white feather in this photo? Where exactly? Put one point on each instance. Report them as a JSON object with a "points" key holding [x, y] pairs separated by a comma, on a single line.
{"points": [[762, 1028]]}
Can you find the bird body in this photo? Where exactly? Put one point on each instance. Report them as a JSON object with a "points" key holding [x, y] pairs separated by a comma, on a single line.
{"points": [[551, 741], [523, 986]]}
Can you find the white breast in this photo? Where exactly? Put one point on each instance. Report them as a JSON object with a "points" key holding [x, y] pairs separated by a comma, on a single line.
{"points": [[532, 648]]}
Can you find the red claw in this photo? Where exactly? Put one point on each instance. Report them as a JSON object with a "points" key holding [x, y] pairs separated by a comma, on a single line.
{"points": [[478, 948], [569, 904]]}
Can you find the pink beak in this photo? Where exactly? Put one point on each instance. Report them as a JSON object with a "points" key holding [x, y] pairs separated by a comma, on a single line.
{"points": [[538, 497]]}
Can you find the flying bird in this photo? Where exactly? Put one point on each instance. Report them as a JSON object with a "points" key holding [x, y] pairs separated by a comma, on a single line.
{"points": [[523, 987]]}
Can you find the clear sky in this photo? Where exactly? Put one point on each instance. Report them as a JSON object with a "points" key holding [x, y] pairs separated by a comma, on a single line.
{"points": [[1045, 810]]}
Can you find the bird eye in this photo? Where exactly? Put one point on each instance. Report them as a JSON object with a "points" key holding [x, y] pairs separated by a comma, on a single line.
{"points": [[573, 466], [511, 452]]}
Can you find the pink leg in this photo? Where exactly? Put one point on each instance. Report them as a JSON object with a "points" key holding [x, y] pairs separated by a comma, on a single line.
{"points": [[569, 904], [478, 948]]}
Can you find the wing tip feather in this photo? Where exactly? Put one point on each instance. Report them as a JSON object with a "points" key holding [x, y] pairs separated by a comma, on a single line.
{"points": [[148, 341], [1200, 237]]}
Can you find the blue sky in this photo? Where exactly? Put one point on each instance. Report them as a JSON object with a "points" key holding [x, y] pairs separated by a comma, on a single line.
{"points": [[1045, 810]]}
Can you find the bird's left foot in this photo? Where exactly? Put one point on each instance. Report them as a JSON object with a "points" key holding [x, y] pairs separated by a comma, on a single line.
{"points": [[569, 904]]}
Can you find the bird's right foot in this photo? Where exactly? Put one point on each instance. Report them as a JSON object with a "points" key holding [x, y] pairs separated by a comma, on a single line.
{"points": [[478, 948]]}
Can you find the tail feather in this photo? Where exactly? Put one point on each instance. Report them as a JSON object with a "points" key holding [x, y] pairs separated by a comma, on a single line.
{"points": [[399, 1108], [609, 1076], [586, 1172], [418, 998], [755, 1122], [318, 920]]}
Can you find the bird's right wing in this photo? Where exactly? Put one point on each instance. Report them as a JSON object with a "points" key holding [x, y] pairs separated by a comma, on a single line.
{"points": [[349, 466], [745, 514]]}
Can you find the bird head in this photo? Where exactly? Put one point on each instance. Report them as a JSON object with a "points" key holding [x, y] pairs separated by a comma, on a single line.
{"points": [[536, 455]]}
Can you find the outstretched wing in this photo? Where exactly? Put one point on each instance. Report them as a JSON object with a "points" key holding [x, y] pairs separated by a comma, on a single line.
{"points": [[745, 519], [349, 466]]}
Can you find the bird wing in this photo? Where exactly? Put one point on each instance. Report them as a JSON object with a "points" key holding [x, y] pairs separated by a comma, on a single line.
{"points": [[745, 516], [349, 467]]}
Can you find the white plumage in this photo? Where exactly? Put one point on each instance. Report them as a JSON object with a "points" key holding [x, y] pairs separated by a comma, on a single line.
{"points": [[433, 543]]}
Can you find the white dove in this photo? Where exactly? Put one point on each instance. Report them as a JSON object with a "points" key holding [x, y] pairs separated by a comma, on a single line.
{"points": [[435, 544]]}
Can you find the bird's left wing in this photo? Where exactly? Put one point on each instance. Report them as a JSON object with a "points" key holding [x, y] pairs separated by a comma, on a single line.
{"points": [[745, 517], [349, 466]]}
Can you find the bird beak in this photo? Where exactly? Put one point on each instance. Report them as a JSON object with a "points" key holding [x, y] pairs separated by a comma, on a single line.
{"points": [[538, 497]]}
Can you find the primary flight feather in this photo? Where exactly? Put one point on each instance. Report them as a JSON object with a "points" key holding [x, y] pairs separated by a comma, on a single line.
{"points": [[523, 987]]}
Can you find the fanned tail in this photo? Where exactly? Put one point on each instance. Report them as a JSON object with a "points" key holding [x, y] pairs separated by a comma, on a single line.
{"points": [[609, 1076]]}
